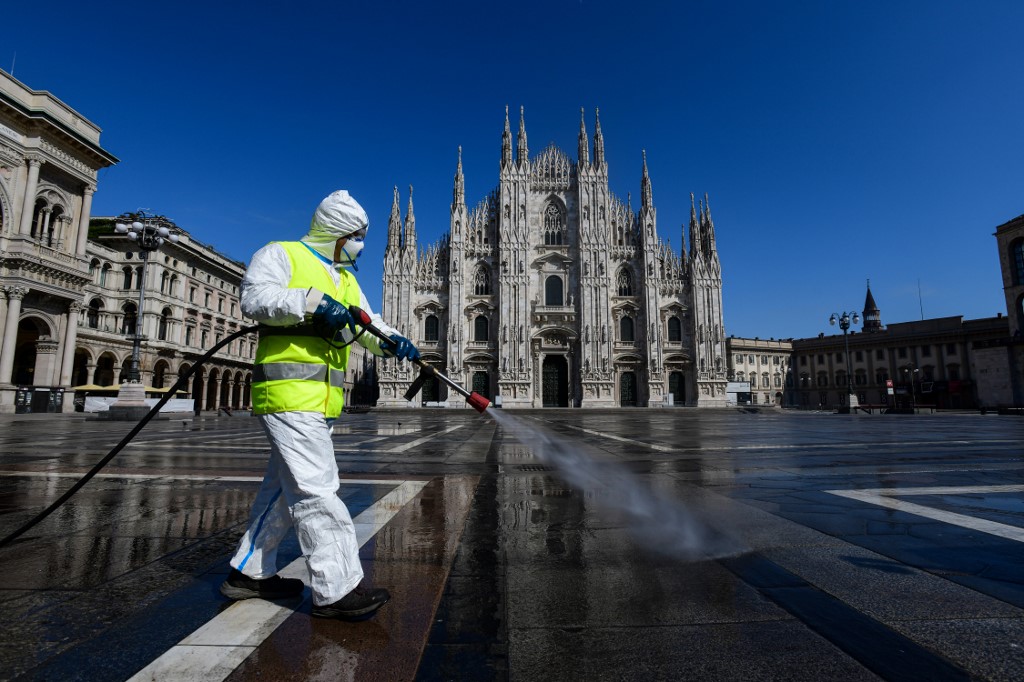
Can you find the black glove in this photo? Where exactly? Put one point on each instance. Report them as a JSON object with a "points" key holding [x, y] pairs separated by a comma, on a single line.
{"points": [[330, 317], [401, 348]]}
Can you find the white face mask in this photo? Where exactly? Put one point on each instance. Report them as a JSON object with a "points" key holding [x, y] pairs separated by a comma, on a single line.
{"points": [[349, 253]]}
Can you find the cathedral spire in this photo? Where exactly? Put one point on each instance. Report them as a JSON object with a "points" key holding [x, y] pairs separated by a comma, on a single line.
{"points": [[522, 153], [410, 226], [709, 229], [584, 149], [646, 195], [506, 143], [394, 227], [696, 240], [598, 141], [459, 192]]}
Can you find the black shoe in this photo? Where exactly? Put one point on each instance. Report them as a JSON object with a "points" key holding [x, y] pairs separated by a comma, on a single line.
{"points": [[240, 586], [356, 605]]}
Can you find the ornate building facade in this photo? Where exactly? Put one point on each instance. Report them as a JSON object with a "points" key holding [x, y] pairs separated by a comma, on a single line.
{"points": [[553, 292], [49, 159], [944, 363], [763, 365], [191, 303]]}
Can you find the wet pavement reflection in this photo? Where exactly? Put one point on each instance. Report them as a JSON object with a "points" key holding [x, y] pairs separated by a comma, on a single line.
{"points": [[863, 547]]}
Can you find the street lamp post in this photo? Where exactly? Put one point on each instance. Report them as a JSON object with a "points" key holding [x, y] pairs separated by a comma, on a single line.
{"points": [[909, 371], [150, 236], [844, 320]]}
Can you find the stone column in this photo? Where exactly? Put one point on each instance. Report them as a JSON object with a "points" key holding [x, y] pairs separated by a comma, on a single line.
{"points": [[14, 296], [83, 223], [70, 339], [43, 228], [29, 204]]}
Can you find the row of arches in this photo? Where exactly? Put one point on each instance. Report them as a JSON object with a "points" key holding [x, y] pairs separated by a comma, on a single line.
{"points": [[51, 220], [129, 277], [125, 319], [211, 389], [555, 389]]}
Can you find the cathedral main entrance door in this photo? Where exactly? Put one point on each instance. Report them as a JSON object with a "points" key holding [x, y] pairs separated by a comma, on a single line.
{"points": [[627, 389], [677, 387], [555, 381]]}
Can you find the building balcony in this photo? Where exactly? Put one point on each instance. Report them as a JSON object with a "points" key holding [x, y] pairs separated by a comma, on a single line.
{"points": [[554, 315]]}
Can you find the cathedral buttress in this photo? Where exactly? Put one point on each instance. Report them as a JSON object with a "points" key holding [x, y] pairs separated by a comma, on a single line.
{"points": [[460, 270], [707, 308], [651, 289]]}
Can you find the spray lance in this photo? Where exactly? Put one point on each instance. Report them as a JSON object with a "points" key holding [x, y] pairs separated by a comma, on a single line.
{"points": [[475, 400]]}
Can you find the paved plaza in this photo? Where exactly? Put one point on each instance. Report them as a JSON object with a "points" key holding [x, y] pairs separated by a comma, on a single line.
{"points": [[542, 545]]}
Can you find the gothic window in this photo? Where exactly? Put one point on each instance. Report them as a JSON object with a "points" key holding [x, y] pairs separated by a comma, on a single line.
{"points": [[675, 330], [430, 329], [1017, 258], [624, 281], [128, 322], [165, 317], [93, 316], [554, 226], [626, 329], [127, 283], [482, 281], [553, 291], [481, 329]]}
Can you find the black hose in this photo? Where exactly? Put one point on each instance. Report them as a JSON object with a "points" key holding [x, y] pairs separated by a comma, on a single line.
{"points": [[180, 383]]}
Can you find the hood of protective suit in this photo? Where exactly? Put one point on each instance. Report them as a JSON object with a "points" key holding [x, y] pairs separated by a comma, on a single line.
{"points": [[337, 216]]}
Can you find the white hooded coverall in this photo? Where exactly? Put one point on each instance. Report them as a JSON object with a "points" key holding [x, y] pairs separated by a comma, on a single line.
{"points": [[300, 487]]}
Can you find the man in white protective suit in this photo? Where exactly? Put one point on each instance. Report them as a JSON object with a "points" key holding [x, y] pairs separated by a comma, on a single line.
{"points": [[299, 292]]}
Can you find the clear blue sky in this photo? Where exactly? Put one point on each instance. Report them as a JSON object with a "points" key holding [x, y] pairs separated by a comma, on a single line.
{"points": [[839, 141]]}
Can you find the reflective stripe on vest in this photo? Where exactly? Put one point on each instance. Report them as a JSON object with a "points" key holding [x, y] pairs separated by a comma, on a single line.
{"points": [[282, 371], [296, 370]]}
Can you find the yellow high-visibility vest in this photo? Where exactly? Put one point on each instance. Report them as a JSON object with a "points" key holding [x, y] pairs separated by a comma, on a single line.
{"points": [[296, 369]]}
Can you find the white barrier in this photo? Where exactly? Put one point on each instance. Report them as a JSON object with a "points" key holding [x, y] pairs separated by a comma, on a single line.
{"points": [[103, 403]]}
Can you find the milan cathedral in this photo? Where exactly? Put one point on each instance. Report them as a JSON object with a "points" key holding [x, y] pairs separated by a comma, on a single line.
{"points": [[552, 292]]}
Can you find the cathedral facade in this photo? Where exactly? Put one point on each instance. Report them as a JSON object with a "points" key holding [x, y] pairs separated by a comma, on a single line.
{"points": [[553, 292]]}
